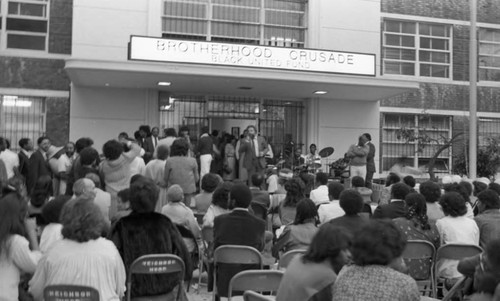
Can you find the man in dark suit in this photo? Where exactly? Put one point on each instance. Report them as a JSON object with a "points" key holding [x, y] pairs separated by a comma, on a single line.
{"points": [[396, 207], [24, 156], [38, 163], [253, 150], [239, 227], [151, 142], [370, 161]]}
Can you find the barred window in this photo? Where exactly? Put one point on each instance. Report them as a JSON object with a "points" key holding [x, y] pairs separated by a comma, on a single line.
{"points": [[259, 22], [416, 48], [21, 117], [489, 54], [24, 24], [396, 150]]}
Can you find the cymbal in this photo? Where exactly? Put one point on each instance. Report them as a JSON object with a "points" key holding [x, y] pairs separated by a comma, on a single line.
{"points": [[326, 152], [280, 162]]}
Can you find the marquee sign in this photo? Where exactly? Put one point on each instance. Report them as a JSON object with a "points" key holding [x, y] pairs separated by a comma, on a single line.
{"points": [[256, 56]]}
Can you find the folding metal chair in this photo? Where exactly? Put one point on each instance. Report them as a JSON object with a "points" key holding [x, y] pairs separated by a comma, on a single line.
{"points": [[235, 254], [256, 280], [287, 257], [253, 296], [455, 289], [425, 251], [156, 264], [453, 252], [70, 293], [206, 252]]}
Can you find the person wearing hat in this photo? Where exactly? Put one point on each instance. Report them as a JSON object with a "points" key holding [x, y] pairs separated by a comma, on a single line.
{"points": [[180, 214]]}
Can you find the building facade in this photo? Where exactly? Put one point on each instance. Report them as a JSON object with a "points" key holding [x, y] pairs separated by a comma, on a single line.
{"points": [[419, 80]]}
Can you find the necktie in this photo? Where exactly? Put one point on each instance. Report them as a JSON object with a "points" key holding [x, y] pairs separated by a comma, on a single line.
{"points": [[156, 142]]}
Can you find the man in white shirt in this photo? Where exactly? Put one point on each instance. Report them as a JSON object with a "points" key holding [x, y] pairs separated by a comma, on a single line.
{"points": [[9, 158], [320, 194], [329, 211], [64, 164]]}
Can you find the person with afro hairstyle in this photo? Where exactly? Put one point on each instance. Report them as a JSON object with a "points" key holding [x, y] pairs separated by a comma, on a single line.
{"points": [[377, 270], [455, 227], [432, 192], [294, 193], [331, 210], [352, 203], [209, 183]]}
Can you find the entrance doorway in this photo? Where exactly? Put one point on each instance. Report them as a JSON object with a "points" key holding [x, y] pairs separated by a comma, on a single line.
{"points": [[231, 125]]}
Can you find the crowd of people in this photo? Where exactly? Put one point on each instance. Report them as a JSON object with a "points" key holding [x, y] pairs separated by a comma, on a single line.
{"points": [[69, 215]]}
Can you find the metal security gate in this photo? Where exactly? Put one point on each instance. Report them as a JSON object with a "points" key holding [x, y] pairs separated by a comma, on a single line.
{"points": [[21, 117]]}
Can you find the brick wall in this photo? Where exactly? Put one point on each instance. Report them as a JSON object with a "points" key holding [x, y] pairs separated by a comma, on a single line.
{"points": [[61, 19], [31, 73], [488, 10], [57, 120]]}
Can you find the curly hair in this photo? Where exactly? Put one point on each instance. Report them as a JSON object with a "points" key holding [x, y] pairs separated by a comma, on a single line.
{"points": [[417, 210], [294, 192], [489, 198], [455, 187], [179, 148], [431, 191], [306, 210], [112, 149], [143, 195], [377, 243], [392, 178], [82, 220], [220, 197], [328, 242], [453, 204], [351, 201], [209, 182]]}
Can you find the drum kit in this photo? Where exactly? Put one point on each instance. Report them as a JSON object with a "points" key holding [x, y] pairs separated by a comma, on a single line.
{"points": [[311, 166]]}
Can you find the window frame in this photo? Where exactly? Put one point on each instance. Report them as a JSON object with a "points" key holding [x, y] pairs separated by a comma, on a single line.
{"points": [[4, 32], [488, 55], [417, 36], [263, 27]]}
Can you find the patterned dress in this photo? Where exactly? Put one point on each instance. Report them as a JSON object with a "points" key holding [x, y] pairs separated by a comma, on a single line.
{"points": [[374, 282], [419, 268]]}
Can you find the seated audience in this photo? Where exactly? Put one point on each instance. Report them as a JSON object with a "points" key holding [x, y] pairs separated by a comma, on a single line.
{"points": [[40, 195], [396, 207], [16, 235], [484, 268], [320, 194], [102, 198], [298, 236], [155, 169], [239, 227], [51, 213], [147, 232], [82, 257], [294, 193], [331, 210], [432, 192], [219, 206], [258, 195], [358, 184], [123, 205], [209, 183], [86, 185], [415, 225], [455, 227], [465, 195], [181, 215], [410, 181], [376, 272], [385, 194], [488, 219], [352, 203], [311, 276]]}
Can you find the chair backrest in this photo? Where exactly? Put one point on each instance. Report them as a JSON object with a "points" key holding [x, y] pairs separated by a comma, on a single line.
{"points": [[457, 251], [237, 254], [256, 280], [70, 293], [287, 257], [420, 249], [253, 296], [156, 264], [259, 210]]}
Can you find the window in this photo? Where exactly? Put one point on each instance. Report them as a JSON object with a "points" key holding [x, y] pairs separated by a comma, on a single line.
{"points": [[260, 22], [25, 25], [419, 49], [395, 149], [489, 54], [21, 117]]}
